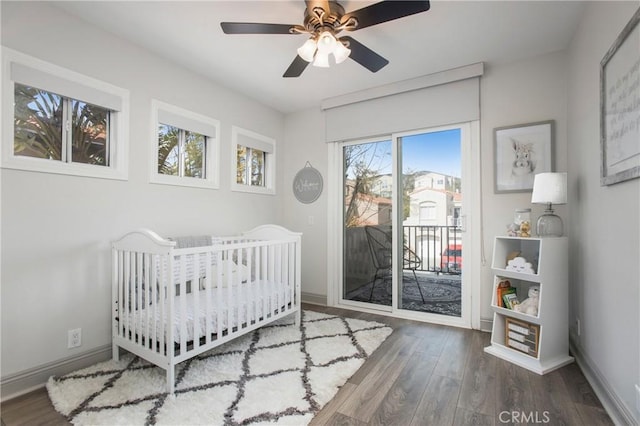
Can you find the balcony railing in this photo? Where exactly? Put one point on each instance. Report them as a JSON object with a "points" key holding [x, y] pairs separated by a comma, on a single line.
{"points": [[431, 242]]}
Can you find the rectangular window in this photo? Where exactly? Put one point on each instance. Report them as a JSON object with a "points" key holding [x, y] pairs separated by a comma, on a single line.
{"points": [[185, 147], [58, 121], [254, 158], [251, 166], [181, 152], [53, 127]]}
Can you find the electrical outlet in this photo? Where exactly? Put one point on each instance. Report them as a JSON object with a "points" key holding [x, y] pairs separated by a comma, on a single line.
{"points": [[74, 338]]}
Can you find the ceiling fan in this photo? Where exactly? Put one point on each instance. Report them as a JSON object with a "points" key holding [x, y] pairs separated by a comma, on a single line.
{"points": [[323, 21]]}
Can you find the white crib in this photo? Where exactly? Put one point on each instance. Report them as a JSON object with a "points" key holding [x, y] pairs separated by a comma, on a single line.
{"points": [[171, 304]]}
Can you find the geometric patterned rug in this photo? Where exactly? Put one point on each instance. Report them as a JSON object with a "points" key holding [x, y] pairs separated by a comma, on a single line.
{"points": [[278, 374]]}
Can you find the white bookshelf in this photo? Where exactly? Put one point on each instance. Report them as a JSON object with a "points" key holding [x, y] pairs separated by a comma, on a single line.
{"points": [[545, 345]]}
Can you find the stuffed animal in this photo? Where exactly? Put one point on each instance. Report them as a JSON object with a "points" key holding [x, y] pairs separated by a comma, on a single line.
{"points": [[529, 306], [525, 229]]}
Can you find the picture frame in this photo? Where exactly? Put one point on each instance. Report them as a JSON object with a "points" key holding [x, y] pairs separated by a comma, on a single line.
{"points": [[620, 107], [521, 151]]}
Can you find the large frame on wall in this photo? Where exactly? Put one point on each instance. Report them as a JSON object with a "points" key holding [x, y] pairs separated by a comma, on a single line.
{"points": [[522, 151], [620, 107]]}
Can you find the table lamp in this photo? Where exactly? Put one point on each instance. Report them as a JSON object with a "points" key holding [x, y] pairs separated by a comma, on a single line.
{"points": [[549, 189]]}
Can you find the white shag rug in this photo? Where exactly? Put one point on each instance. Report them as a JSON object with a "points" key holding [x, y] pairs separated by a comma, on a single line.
{"points": [[279, 374]]}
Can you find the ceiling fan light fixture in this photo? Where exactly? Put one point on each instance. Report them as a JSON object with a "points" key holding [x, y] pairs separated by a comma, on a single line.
{"points": [[326, 42], [307, 50], [322, 60], [341, 52]]}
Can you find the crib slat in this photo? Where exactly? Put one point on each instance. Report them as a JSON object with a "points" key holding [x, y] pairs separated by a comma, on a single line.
{"points": [[286, 287], [219, 312], [229, 282], [153, 305], [127, 293], [207, 291], [166, 265], [258, 284], [139, 327], [278, 282], [241, 294], [195, 291], [251, 309], [292, 275], [182, 314], [272, 277], [147, 300], [122, 311]]}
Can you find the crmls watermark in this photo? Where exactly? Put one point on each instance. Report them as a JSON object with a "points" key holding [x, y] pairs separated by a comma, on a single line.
{"points": [[532, 417]]}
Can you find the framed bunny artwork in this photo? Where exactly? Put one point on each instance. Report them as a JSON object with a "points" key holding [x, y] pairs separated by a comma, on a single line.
{"points": [[521, 152]]}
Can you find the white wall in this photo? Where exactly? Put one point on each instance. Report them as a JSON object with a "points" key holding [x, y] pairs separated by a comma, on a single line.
{"points": [[604, 221], [521, 92], [57, 229], [305, 141]]}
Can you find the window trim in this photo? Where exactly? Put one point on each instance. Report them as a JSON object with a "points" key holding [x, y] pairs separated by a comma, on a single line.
{"points": [[192, 121], [20, 68], [250, 139]]}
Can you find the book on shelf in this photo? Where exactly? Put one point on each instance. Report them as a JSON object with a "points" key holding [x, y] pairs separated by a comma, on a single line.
{"points": [[510, 298], [501, 288]]}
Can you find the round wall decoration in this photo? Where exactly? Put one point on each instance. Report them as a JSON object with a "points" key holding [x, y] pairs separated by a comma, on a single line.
{"points": [[307, 184]]}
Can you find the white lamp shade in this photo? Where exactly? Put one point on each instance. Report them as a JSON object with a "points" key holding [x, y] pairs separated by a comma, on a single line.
{"points": [[340, 53], [549, 188], [307, 50], [326, 42], [322, 60]]}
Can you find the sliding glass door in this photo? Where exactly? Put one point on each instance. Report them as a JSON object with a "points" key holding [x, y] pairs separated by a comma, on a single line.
{"points": [[367, 222], [403, 222], [430, 204]]}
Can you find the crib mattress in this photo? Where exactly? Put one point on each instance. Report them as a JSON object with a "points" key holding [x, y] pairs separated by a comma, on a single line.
{"points": [[247, 305]]}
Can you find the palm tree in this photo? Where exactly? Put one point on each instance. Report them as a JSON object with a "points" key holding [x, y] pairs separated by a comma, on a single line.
{"points": [[37, 123], [38, 127]]}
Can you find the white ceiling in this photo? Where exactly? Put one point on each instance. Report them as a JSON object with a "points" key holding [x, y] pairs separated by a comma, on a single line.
{"points": [[449, 35]]}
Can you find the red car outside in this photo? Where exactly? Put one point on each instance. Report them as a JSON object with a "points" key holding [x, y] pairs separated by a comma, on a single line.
{"points": [[451, 260]]}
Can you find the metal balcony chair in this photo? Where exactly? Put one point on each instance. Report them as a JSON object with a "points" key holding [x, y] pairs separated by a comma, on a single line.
{"points": [[380, 246]]}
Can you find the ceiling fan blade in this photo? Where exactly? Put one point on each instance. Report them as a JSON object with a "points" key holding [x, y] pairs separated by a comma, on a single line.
{"points": [[365, 56], [255, 28], [385, 11], [297, 66]]}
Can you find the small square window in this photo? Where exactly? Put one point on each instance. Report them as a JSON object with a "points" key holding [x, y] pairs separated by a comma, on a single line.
{"points": [[181, 152], [251, 166], [254, 159], [185, 148]]}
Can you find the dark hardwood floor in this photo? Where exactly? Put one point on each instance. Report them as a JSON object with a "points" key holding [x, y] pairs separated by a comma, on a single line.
{"points": [[422, 375]]}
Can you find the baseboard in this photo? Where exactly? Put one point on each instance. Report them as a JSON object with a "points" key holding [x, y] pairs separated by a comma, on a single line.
{"points": [[614, 406], [314, 299], [26, 381], [486, 324]]}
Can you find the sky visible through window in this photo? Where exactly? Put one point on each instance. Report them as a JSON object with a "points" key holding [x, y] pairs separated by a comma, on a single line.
{"points": [[435, 152]]}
